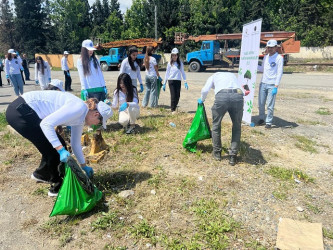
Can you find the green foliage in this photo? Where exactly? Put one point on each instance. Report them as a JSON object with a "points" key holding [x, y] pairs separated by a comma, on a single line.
{"points": [[3, 121], [305, 144], [323, 111], [107, 221], [288, 174], [247, 74]]}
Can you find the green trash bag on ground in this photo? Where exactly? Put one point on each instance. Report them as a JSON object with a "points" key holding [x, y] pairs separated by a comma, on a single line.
{"points": [[199, 130], [73, 199]]}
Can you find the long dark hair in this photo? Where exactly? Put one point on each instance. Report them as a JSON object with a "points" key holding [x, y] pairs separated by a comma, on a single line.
{"points": [[10, 56], [131, 50], [131, 90], [178, 61], [149, 52], [41, 64], [86, 61]]}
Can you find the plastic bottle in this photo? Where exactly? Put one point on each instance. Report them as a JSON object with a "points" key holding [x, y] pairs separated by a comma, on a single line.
{"points": [[252, 124], [172, 124]]}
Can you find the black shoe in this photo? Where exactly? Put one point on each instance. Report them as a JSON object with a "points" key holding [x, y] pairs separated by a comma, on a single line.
{"points": [[130, 130], [268, 126], [54, 189], [260, 122], [232, 160], [217, 156]]}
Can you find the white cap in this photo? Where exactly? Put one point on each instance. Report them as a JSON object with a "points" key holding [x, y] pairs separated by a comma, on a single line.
{"points": [[57, 83], [174, 51], [66, 52], [12, 51], [271, 43], [88, 44], [105, 110]]}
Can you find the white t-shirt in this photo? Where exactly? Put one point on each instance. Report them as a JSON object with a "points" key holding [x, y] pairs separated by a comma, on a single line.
{"points": [[272, 68], [126, 68], [13, 66], [175, 73], [117, 102], [94, 80], [59, 108], [152, 63], [218, 81], [64, 64]]}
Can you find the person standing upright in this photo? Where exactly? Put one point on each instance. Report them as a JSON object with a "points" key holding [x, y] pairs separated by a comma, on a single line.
{"points": [[25, 67], [130, 66], [272, 68], [13, 71], [91, 76], [42, 73], [65, 68], [174, 74]]}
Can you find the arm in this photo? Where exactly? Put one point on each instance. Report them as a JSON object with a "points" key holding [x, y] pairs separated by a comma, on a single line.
{"points": [[48, 70], [76, 133], [204, 91], [167, 73], [115, 101], [138, 73], [83, 80], [279, 72], [122, 66], [36, 72], [7, 67], [62, 63], [182, 71]]}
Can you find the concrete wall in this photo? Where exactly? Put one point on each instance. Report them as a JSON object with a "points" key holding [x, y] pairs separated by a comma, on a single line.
{"points": [[314, 53]]}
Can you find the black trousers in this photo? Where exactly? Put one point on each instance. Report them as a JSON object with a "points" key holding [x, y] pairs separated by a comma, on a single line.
{"points": [[100, 96], [68, 81], [0, 79], [26, 122], [175, 86]]}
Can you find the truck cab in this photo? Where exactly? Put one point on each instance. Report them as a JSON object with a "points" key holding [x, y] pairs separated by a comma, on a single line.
{"points": [[113, 59]]}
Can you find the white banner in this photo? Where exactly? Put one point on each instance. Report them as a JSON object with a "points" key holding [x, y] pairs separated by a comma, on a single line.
{"points": [[248, 64]]}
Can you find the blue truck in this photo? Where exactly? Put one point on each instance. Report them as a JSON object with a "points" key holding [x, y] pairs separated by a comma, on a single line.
{"points": [[117, 55]]}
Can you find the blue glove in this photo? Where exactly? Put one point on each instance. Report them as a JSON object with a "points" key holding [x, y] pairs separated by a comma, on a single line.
{"points": [[85, 93], [160, 78], [123, 106], [164, 85], [107, 102], [274, 91], [68, 74], [7, 76], [89, 171], [49, 79], [186, 86], [64, 154], [141, 88], [200, 101], [37, 82], [105, 90], [21, 68]]}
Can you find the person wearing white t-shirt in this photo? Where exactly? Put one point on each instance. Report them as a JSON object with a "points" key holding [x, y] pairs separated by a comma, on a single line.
{"points": [[130, 66], [272, 68], [42, 73], [174, 74], [35, 114], [65, 68], [91, 76], [125, 99], [13, 65], [151, 79]]}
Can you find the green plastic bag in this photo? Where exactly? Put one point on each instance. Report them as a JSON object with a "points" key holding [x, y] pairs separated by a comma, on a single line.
{"points": [[72, 198], [159, 86], [199, 130]]}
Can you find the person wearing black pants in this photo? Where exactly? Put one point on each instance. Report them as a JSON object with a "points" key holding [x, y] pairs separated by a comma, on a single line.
{"points": [[65, 68], [26, 122], [175, 86]]}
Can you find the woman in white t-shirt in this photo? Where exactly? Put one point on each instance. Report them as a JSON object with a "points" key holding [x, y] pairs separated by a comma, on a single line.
{"points": [[35, 114], [174, 74], [125, 98], [151, 79], [130, 66], [42, 73]]}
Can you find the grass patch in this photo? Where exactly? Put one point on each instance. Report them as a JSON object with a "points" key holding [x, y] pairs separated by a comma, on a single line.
{"points": [[289, 174], [323, 111], [313, 208], [3, 121], [305, 144], [143, 230], [281, 193], [107, 221], [40, 191], [257, 132], [328, 233], [307, 122], [60, 228]]}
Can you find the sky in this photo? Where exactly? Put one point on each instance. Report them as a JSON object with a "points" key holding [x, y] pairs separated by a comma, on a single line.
{"points": [[124, 4]]}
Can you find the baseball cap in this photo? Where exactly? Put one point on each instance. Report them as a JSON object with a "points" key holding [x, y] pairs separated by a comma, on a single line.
{"points": [[174, 51], [12, 51], [66, 52], [271, 43], [105, 111], [88, 44], [57, 83]]}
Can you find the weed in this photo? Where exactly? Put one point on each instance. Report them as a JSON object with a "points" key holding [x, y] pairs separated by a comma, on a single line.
{"points": [[186, 185], [257, 132], [107, 221], [328, 233], [323, 111], [281, 193], [254, 245], [313, 208], [60, 228], [288, 174], [307, 122], [110, 247], [3, 121], [40, 191], [144, 230], [305, 144]]}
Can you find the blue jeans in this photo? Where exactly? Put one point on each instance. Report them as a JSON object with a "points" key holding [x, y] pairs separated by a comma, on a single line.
{"points": [[265, 93], [233, 104], [151, 92], [17, 82]]}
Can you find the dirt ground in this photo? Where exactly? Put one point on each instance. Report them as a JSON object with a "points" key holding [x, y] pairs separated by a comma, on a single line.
{"points": [[254, 198]]}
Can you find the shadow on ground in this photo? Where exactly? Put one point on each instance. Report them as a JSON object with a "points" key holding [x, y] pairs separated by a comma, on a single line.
{"points": [[277, 122]]}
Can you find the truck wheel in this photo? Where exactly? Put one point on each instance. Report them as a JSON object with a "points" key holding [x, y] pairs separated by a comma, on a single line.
{"points": [[194, 66], [104, 66]]}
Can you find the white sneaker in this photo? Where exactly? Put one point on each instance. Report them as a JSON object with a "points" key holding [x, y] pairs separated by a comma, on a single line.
{"points": [[38, 180], [51, 194]]}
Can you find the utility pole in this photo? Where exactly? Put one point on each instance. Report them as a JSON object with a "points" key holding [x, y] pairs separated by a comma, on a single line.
{"points": [[155, 22]]}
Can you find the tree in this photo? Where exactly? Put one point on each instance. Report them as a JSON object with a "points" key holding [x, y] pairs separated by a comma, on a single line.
{"points": [[115, 7], [6, 26]]}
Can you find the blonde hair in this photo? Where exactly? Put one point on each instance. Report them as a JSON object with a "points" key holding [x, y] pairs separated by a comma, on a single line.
{"points": [[92, 103]]}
